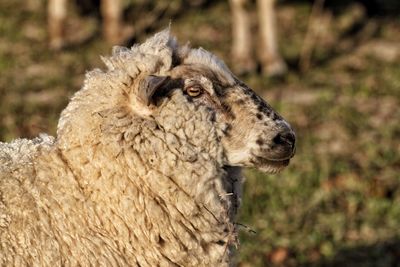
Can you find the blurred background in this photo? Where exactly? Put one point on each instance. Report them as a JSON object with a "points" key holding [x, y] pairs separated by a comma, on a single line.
{"points": [[338, 203]]}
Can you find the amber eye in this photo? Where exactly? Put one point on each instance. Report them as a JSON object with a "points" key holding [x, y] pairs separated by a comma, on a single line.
{"points": [[194, 90]]}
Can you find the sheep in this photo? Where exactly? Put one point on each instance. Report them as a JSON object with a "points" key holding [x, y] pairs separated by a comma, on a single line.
{"points": [[145, 169], [271, 60]]}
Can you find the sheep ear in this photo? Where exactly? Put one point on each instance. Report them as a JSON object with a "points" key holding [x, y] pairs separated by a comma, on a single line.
{"points": [[148, 86]]}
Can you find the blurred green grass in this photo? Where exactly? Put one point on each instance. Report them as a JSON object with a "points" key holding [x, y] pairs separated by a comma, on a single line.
{"points": [[337, 204]]}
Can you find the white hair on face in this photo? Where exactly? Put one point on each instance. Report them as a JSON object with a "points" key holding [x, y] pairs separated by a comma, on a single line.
{"points": [[203, 57]]}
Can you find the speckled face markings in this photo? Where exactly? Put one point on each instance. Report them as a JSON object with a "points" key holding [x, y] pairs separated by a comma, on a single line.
{"points": [[253, 132], [240, 102], [256, 132], [260, 141], [262, 106]]}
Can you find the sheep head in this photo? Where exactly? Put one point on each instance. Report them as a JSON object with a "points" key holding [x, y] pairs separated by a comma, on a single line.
{"points": [[159, 76], [253, 134]]}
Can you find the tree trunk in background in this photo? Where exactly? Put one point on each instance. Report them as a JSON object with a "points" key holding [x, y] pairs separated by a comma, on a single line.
{"points": [[241, 38], [272, 63], [111, 11], [56, 14]]}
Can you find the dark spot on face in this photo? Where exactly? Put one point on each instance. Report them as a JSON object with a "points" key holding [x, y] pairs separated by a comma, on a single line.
{"points": [[228, 110], [274, 116], [262, 107], [255, 98], [219, 89], [188, 98], [228, 130], [240, 102], [221, 242], [213, 115], [260, 141], [226, 107], [259, 116], [247, 92]]}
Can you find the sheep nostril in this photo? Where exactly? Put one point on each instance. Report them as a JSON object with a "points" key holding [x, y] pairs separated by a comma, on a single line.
{"points": [[285, 138]]}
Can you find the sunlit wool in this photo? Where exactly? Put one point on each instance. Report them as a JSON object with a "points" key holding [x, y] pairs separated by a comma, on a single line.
{"points": [[126, 183]]}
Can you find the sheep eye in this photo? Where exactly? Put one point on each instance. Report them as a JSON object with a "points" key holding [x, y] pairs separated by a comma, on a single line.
{"points": [[194, 91]]}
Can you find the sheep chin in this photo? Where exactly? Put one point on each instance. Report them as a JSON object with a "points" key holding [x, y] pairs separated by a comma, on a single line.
{"points": [[272, 167]]}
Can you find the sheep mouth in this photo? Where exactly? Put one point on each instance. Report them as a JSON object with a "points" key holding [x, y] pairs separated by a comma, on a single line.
{"points": [[271, 166]]}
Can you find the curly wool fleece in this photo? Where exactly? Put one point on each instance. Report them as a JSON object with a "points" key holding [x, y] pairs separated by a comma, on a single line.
{"points": [[125, 182]]}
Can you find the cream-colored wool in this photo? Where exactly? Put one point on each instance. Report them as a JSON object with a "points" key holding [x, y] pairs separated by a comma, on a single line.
{"points": [[131, 183]]}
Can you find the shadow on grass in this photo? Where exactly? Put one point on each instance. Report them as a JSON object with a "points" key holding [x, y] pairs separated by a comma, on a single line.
{"points": [[382, 254]]}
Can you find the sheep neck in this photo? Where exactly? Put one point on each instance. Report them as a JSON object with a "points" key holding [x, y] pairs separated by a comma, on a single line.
{"points": [[158, 185], [155, 207]]}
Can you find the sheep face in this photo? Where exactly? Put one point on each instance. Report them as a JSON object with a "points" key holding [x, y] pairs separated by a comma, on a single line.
{"points": [[251, 132], [258, 136], [163, 78]]}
